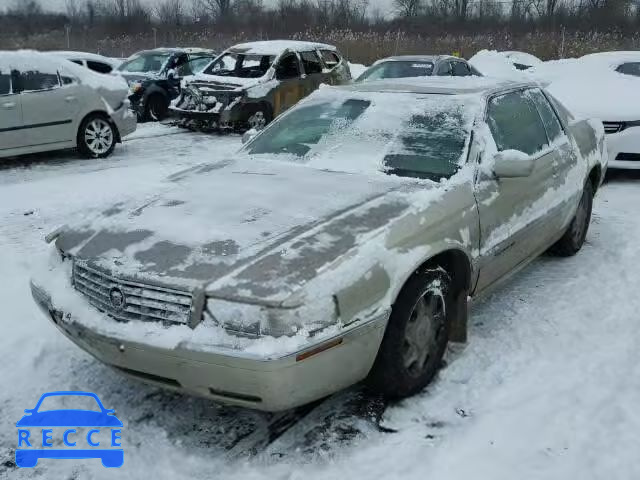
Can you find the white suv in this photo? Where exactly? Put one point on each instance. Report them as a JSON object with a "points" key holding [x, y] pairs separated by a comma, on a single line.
{"points": [[48, 103]]}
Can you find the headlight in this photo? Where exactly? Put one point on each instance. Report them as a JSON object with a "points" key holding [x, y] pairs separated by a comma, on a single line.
{"points": [[135, 87], [256, 320]]}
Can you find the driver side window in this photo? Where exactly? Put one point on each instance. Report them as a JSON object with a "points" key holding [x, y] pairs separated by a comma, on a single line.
{"points": [[288, 67], [515, 123], [444, 69]]}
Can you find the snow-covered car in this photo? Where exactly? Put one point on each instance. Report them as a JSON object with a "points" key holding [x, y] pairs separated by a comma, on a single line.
{"points": [[154, 77], [92, 61], [251, 83], [49, 103], [521, 60], [407, 66], [340, 244], [604, 86]]}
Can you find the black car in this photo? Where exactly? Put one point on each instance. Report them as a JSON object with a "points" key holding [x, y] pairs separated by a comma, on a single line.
{"points": [[154, 77]]}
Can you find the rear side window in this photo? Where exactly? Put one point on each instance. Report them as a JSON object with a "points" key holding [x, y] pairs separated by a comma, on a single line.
{"points": [[78, 62], [99, 67], [35, 80], [461, 69], [445, 69], [5, 81], [515, 123], [311, 62], [548, 115], [630, 68], [331, 59]]}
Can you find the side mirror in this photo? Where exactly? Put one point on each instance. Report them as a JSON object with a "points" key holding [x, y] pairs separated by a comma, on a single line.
{"points": [[248, 135], [512, 164]]}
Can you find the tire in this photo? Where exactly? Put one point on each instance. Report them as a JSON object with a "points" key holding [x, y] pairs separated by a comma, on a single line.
{"points": [[416, 336], [97, 136], [156, 108], [257, 116], [573, 239]]}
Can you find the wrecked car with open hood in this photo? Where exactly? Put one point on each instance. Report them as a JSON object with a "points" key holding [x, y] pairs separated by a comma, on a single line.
{"points": [[340, 243], [251, 83]]}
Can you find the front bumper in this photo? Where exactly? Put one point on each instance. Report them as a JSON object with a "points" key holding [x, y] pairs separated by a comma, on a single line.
{"points": [[125, 120], [624, 148], [271, 384]]}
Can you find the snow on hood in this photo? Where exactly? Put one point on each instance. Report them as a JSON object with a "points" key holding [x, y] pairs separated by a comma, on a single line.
{"points": [[236, 82], [215, 218]]}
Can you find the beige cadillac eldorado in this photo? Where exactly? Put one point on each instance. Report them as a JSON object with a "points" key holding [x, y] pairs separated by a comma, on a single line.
{"points": [[341, 244]]}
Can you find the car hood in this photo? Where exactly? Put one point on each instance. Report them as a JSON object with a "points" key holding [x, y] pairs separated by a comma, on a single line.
{"points": [[138, 77], [241, 229], [224, 83]]}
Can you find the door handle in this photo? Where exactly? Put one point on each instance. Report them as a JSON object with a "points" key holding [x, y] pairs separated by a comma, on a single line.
{"points": [[9, 105], [70, 98]]}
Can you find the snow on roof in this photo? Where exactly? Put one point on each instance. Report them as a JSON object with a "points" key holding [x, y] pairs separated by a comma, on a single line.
{"points": [[523, 58], [26, 60], [436, 85], [612, 59], [497, 64], [72, 55], [276, 47]]}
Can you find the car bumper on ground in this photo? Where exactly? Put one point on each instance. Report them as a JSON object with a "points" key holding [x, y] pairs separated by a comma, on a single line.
{"points": [[270, 384], [125, 120], [624, 148]]}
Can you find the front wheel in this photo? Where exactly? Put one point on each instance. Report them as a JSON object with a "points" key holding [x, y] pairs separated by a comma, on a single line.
{"points": [[96, 137], [573, 239], [257, 117], [416, 336], [156, 108]]}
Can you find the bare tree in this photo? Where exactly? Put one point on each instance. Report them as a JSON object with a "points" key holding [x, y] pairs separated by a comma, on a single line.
{"points": [[215, 8], [170, 12], [407, 8]]}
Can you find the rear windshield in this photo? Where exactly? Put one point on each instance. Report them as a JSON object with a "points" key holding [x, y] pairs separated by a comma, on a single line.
{"points": [[423, 136], [240, 65], [394, 69]]}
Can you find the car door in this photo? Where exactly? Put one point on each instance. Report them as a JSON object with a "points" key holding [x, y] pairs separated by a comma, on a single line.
{"points": [[48, 110], [10, 111], [314, 72], [289, 89], [514, 212], [569, 172]]}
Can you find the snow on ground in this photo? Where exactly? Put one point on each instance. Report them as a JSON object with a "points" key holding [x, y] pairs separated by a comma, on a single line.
{"points": [[547, 387]]}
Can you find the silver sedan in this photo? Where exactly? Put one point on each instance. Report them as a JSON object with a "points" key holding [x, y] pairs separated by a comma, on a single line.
{"points": [[340, 244]]}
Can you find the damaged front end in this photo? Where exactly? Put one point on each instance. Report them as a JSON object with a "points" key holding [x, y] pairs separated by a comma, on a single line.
{"points": [[209, 106]]}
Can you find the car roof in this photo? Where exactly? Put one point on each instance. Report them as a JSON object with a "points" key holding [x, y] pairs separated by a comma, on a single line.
{"points": [[439, 85], [176, 50], [276, 47], [416, 58], [612, 57], [73, 55]]}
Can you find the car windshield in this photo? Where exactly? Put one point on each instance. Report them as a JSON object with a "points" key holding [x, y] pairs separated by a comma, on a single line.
{"points": [[396, 69], [423, 136], [69, 401], [196, 65], [630, 68], [240, 65], [145, 63]]}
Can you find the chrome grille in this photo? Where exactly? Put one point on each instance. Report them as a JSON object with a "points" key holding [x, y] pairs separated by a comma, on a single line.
{"points": [[141, 302], [613, 127]]}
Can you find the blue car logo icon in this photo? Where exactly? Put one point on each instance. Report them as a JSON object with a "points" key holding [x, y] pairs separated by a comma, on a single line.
{"points": [[35, 429]]}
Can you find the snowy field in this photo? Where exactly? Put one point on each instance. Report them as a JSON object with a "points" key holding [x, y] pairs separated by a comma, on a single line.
{"points": [[547, 388]]}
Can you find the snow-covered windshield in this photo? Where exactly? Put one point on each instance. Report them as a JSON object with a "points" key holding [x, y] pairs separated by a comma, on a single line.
{"points": [[397, 69], [403, 134], [240, 65], [145, 63]]}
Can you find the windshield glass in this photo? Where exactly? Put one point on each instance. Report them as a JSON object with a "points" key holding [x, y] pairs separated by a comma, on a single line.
{"points": [[630, 68], [394, 69], [423, 136], [240, 65], [69, 401], [145, 63]]}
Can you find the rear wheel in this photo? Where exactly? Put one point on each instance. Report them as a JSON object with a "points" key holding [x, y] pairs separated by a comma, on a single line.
{"points": [[416, 337], [96, 136], [573, 239]]}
